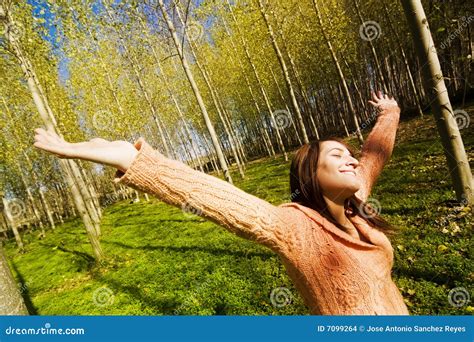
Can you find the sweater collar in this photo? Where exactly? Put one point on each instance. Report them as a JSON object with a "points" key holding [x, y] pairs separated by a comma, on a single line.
{"points": [[370, 233]]}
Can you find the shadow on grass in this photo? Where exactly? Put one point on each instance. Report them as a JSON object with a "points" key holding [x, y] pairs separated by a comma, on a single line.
{"points": [[88, 259], [404, 211], [161, 306], [183, 249], [25, 291], [427, 275]]}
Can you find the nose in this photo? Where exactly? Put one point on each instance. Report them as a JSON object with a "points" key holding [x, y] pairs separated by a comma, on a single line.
{"points": [[352, 161]]}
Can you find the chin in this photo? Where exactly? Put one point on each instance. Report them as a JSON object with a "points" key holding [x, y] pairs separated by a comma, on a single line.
{"points": [[352, 190]]}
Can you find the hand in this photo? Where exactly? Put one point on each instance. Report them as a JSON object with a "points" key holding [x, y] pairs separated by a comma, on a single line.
{"points": [[383, 102], [118, 154]]}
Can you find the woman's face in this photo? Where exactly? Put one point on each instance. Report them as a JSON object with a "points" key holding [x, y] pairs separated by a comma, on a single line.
{"points": [[336, 171]]}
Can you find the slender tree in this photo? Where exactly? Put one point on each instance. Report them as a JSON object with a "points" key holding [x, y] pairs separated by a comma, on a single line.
{"points": [[458, 163], [11, 301], [197, 93]]}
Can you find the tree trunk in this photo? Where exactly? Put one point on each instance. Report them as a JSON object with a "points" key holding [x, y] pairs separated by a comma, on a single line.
{"points": [[448, 129], [69, 167], [214, 97], [197, 94], [405, 61], [12, 223], [372, 50], [285, 72], [266, 137], [262, 89], [340, 73], [11, 301]]}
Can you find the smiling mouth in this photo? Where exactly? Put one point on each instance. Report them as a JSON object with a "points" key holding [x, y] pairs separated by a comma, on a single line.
{"points": [[349, 172]]}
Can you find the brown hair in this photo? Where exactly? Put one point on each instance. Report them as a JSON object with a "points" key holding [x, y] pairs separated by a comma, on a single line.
{"points": [[305, 188]]}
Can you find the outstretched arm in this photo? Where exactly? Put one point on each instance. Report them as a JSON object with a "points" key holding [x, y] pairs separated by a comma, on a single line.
{"points": [[378, 146], [146, 169]]}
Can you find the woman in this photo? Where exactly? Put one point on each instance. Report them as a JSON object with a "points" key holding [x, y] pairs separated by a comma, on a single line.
{"points": [[335, 251]]}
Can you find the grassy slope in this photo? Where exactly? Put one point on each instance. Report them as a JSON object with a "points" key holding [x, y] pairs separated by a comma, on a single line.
{"points": [[164, 262]]}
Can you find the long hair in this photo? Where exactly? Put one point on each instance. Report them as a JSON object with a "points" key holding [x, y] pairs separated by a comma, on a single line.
{"points": [[306, 190]]}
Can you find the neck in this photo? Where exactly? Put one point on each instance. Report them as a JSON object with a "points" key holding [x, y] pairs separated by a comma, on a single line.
{"points": [[337, 210]]}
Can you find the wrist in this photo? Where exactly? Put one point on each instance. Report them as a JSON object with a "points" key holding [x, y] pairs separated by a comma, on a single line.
{"points": [[389, 111], [128, 154]]}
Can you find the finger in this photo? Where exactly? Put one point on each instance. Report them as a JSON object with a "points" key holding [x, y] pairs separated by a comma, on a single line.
{"points": [[45, 146], [54, 136], [98, 140], [53, 148], [39, 130], [40, 138], [379, 94], [374, 97], [374, 103]]}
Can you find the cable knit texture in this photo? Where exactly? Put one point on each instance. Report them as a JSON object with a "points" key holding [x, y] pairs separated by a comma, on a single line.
{"points": [[335, 273]]}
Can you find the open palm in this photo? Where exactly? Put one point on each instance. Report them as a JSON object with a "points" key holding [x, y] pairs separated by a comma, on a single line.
{"points": [[118, 154], [383, 102]]}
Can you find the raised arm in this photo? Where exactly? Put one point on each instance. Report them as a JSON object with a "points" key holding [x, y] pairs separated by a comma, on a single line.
{"points": [[146, 169], [378, 146]]}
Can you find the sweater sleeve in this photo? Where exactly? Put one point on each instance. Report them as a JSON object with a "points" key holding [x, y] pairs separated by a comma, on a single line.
{"points": [[193, 191], [377, 150]]}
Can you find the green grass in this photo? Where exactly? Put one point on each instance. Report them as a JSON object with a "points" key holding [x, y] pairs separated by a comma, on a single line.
{"points": [[163, 262]]}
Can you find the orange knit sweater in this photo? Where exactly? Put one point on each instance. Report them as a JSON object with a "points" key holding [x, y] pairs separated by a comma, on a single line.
{"points": [[335, 273]]}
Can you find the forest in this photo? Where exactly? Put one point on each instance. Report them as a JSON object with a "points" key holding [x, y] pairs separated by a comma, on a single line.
{"points": [[231, 88]]}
